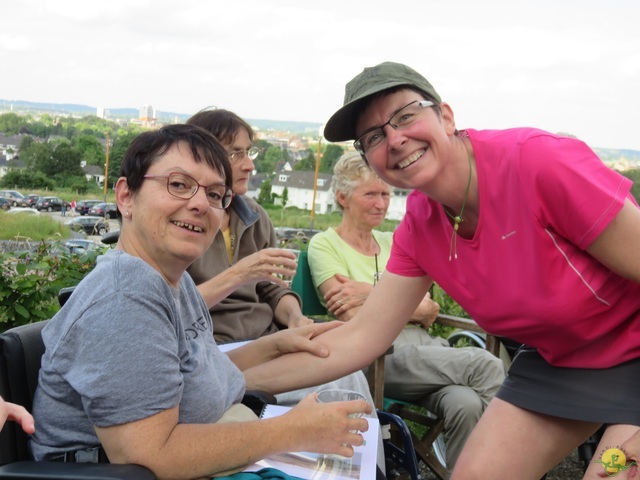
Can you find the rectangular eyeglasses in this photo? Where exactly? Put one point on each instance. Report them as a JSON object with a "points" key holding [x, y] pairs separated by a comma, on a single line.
{"points": [[181, 185], [374, 137]]}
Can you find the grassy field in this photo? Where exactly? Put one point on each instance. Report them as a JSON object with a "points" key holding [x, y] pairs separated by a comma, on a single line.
{"points": [[31, 227]]}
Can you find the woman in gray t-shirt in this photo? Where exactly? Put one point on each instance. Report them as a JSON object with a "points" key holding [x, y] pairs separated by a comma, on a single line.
{"points": [[130, 361]]}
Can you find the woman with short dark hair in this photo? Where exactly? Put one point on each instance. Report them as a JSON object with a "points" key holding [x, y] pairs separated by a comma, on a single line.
{"points": [[131, 371]]}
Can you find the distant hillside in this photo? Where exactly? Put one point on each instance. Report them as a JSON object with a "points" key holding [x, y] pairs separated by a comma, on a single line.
{"points": [[612, 155], [131, 113], [68, 108]]}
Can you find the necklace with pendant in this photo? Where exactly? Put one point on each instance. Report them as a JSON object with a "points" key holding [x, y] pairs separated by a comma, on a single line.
{"points": [[458, 219]]}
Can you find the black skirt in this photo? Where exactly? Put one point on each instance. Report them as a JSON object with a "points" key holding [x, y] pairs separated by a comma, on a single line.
{"points": [[609, 395]]}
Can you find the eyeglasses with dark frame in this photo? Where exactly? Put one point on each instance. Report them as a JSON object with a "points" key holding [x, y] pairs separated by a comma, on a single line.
{"points": [[238, 155], [374, 137], [181, 185]]}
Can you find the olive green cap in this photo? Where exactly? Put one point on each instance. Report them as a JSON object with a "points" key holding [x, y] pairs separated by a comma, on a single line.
{"points": [[342, 124]]}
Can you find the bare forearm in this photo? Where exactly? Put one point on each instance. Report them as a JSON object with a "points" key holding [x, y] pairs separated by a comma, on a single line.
{"points": [[194, 451], [352, 346], [199, 450], [299, 370], [425, 314], [300, 339], [218, 288], [288, 312], [259, 351]]}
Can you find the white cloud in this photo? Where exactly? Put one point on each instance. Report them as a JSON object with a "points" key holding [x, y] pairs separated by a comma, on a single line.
{"points": [[570, 66]]}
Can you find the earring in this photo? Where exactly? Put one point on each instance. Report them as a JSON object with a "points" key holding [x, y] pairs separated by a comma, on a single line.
{"points": [[126, 214]]}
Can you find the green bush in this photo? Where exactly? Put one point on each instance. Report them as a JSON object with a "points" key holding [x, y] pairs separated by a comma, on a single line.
{"points": [[30, 281], [26, 179]]}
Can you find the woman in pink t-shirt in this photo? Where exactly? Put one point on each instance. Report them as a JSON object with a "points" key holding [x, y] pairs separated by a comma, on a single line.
{"points": [[534, 237]]}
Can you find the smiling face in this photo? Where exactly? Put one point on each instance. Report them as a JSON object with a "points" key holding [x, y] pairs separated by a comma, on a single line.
{"points": [[367, 205], [168, 232], [413, 156]]}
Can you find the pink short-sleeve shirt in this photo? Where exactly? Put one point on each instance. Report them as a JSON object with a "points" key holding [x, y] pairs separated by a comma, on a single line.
{"points": [[525, 274]]}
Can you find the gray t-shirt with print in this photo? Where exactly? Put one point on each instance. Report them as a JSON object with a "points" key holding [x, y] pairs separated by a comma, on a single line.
{"points": [[124, 347]]}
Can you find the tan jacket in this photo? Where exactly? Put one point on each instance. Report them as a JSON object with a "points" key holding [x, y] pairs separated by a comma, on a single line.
{"points": [[248, 312]]}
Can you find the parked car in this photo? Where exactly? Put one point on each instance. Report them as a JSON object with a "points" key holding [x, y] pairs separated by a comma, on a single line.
{"points": [[5, 203], [107, 210], [89, 225], [83, 206], [32, 199], [83, 245], [15, 197], [24, 211], [51, 204]]}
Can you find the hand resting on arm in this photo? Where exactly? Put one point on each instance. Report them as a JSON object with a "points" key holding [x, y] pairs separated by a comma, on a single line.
{"points": [[353, 346], [344, 298]]}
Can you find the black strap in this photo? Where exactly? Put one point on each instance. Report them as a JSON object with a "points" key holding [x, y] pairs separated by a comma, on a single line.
{"points": [[87, 455]]}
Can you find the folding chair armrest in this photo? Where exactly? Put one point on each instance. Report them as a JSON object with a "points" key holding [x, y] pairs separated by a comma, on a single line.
{"points": [[459, 322], [111, 238], [74, 471], [64, 294], [493, 344], [375, 379]]}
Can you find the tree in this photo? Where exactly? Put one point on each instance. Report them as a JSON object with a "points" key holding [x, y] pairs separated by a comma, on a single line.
{"points": [[271, 158], [330, 157], [23, 178], [262, 145], [264, 197], [26, 142], [11, 124], [37, 156], [116, 154], [66, 161], [70, 132], [285, 197], [39, 129], [307, 164], [79, 184], [90, 148]]}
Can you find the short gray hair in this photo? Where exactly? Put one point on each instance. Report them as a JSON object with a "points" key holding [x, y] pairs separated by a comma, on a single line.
{"points": [[348, 173]]}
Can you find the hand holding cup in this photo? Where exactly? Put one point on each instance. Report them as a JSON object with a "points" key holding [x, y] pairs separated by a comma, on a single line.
{"points": [[343, 395], [288, 279]]}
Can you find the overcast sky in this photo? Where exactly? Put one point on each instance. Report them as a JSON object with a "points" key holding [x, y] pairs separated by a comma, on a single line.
{"points": [[568, 66]]}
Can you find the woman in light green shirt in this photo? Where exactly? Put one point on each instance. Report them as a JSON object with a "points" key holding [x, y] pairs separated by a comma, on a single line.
{"points": [[345, 262]]}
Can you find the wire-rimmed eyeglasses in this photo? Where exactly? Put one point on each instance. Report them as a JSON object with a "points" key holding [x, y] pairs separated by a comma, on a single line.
{"points": [[374, 137], [238, 155], [181, 185]]}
